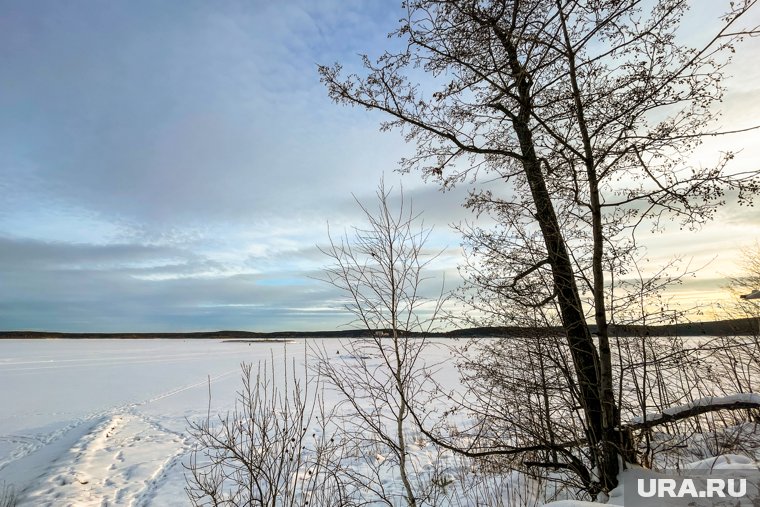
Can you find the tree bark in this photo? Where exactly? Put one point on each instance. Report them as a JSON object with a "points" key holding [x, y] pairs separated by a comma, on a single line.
{"points": [[579, 339], [610, 438]]}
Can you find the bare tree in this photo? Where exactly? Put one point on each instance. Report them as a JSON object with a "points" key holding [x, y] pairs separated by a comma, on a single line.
{"points": [[588, 111], [749, 280], [380, 269], [265, 452], [744, 287]]}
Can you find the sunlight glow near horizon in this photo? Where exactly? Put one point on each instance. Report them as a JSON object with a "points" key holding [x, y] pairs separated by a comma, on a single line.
{"points": [[172, 167]]}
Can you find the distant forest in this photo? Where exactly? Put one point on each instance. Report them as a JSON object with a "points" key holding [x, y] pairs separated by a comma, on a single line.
{"points": [[709, 328]]}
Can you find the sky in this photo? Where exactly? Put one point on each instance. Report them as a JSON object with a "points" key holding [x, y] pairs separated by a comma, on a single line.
{"points": [[173, 166]]}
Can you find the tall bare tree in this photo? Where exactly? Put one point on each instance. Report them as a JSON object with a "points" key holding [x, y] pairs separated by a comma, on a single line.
{"points": [[587, 110], [380, 269]]}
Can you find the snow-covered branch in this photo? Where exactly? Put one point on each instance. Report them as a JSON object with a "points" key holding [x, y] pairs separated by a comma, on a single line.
{"points": [[697, 407]]}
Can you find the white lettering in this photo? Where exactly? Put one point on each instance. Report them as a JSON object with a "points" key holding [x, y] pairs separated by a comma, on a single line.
{"points": [[742, 491], [688, 489], [667, 486], [715, 486], [652, 488]]}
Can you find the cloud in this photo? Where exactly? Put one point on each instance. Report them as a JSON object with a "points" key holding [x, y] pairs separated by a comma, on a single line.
{"points": [[169, 113], [174, 165], [142, 288]]}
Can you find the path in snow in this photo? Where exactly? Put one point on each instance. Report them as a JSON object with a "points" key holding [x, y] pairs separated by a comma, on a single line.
{"points": [[101, 422]]}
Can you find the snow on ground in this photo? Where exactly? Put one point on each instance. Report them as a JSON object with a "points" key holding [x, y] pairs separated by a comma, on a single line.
{"points": [[102, 422]]}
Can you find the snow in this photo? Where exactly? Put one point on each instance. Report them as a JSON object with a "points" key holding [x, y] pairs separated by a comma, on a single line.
{"points": [[707, 401], [723, 462], [573, 503], [91, 421], [103, 422]]}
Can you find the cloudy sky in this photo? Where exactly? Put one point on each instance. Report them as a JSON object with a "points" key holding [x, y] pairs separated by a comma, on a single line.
{"points": [[172, 166]]}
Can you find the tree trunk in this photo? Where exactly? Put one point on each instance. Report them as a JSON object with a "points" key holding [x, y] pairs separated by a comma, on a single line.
{"points": [[611, 439], [579, 339]]}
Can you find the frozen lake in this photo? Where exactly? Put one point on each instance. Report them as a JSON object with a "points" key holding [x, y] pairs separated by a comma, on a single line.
{"points": [[102, 422]]}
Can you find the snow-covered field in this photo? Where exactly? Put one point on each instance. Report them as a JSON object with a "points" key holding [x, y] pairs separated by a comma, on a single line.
{"points": [[102, 422]]}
